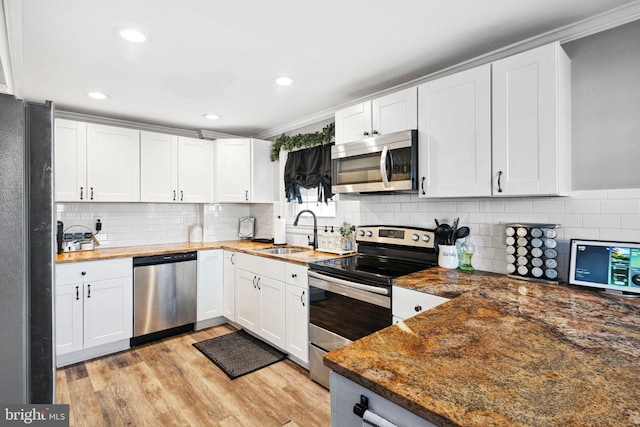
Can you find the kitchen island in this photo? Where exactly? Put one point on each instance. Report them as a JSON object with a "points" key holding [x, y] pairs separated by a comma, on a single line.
{"points": [[505, 352]]}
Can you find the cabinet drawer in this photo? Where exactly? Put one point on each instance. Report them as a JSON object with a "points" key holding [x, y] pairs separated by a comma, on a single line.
{"points": [[262, 266], [296, 275], [93, 270], [406, 303]]}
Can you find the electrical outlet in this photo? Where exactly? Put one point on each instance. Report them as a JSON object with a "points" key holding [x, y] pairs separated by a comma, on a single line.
{"points": [[98, 225]]}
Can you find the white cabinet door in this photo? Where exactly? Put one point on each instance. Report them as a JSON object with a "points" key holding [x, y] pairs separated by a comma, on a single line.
{"points": [[247, 300], [353, 123], [108, 311], [262, 172], [158, 167], [70, 161], [395, 112], [272, 311], [233, 170], [113, 164], [69, 318], [531, 113], [298, 322], [455, 135], [194, 170], [407, 302], [229, 294], [210, 286]]}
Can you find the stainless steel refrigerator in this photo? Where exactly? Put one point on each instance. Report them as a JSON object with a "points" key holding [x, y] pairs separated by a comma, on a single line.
{"points": [[26, 252]]}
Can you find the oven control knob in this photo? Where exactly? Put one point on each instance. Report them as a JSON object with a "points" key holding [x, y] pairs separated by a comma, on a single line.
{"points": [[369, 234], [361, 233], [425, 237], [415, 237]]}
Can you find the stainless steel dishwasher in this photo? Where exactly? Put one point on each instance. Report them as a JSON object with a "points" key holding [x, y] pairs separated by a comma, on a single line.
{"points": [[164, 295]]}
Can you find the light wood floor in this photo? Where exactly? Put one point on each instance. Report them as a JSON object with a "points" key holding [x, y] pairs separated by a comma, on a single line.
{"points": [[170, 383]]}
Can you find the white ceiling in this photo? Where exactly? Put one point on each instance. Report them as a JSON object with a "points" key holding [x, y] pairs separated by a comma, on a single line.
{"points": [[220, 57]]}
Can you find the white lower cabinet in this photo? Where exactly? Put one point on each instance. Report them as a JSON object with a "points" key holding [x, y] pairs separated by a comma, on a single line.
{"points": [[297, 289], [260, 297], [407, 303], [210, 286], [93, 308], [229, 285], [345, 394]]}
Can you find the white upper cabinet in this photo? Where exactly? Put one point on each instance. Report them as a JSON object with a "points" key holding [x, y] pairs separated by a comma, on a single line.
{"points": [[244, 172], [158, 167], [195, 171], [454, 123], [175, 169], [390, 113], [113, 164], [70, 160], [531, 123]]}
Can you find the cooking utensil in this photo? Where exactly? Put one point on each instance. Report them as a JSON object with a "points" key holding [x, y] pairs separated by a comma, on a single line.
{"points": [[461, 233], [444, 233], [454, 229], [437, 222]]}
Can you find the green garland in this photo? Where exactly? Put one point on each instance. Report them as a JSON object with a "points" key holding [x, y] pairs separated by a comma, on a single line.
{"points": [[306, 140]]}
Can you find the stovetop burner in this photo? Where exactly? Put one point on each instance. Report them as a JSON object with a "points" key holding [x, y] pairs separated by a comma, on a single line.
{"points": [[384, 253]]}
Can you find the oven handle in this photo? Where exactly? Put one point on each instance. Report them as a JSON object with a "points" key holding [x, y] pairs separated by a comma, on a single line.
{"points": [[373, 289]]}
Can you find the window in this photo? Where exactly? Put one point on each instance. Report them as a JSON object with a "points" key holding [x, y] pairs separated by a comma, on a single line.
{"points": [[310, 201]]}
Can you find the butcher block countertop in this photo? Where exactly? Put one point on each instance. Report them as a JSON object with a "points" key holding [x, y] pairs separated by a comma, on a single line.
{"points": [[253, 248], [505, 352]]}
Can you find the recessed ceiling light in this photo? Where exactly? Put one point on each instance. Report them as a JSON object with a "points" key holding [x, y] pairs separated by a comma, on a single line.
{"points": [[132, 35], [97, 95], [283, 81], [211, 116]]}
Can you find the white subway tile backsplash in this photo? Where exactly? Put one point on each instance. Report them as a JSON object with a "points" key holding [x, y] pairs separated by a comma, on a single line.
{"points": [[629, 193], [548, 206], [590, 194], [630, 221], [624, 206], [620, 234], [601, 221], [520, 206], [582, 233], [581, 206]]}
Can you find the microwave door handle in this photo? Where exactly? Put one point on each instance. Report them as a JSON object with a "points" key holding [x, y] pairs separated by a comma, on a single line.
{"points": [[383, 165]]}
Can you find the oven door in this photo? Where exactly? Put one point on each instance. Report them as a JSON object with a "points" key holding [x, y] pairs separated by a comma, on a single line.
{"points": [[341, 312], [382, 163]]}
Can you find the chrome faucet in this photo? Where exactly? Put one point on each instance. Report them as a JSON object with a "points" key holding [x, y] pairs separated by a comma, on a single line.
{"points": [[314, 243]]}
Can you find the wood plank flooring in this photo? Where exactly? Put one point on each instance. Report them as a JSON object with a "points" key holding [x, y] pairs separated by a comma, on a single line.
{"points": [[170, 383]]}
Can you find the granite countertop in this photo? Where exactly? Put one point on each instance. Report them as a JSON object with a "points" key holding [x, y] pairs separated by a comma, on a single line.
{"points": [[506, 352], [253, 248]]}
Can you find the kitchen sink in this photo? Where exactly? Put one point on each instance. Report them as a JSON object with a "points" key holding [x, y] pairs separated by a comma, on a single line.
{"points": [[282, 251]]}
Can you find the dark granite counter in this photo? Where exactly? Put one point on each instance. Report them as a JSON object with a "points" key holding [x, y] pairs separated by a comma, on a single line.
{"points": [[506, 352]]}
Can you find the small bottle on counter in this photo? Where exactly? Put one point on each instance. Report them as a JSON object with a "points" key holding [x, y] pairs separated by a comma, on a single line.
{"points": [[333, 240], [323, 238]]}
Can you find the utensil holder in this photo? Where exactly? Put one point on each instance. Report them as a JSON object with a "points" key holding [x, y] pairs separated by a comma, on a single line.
{"points": [[447, 256]]}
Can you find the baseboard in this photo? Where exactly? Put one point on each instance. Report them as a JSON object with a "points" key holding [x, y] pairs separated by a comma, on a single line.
{"points": [[92, 352]]}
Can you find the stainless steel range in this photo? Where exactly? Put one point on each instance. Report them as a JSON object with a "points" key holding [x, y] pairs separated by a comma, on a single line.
{"points": [[350, 298]]}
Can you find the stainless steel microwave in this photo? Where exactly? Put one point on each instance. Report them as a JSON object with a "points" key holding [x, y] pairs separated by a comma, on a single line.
{"points": [[377, 164]]}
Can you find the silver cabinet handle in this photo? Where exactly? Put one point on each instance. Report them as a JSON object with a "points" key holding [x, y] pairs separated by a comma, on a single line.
{"points": [[246, 195], [181, 195], [259, 288], [88, 291], [499, 177], [254, 282], [77, 293], [81, 193], [91, 193], [233, 261], [174, 195], [417, 308], [302, 298], [422, 185], [365, 133], [293, 276], [375, 132]]}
